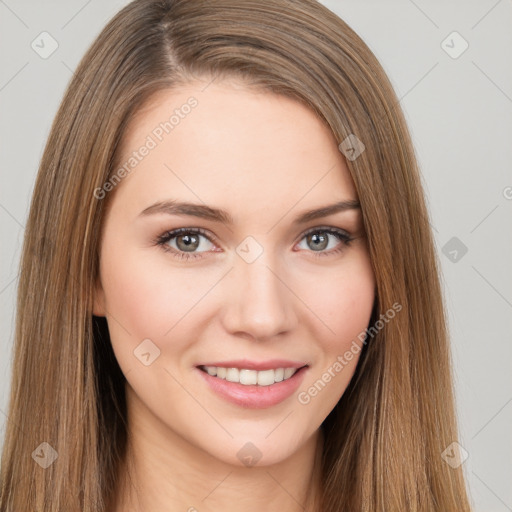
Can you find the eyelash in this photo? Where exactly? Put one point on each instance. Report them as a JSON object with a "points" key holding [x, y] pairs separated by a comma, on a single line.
{"points": [[163, 239]]}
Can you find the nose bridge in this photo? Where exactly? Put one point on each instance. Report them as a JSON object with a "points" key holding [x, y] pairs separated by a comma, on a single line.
{"points": [[259, 303]]}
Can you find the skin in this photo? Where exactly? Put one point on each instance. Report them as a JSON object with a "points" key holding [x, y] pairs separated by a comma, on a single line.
{"points": [[265, 159]]}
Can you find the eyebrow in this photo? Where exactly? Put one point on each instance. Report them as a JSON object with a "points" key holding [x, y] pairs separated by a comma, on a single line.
{"points": [[171, 207]]}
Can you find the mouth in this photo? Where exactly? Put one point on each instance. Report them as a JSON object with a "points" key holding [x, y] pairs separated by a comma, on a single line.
{"points": [[253, 385], [249, 377]]}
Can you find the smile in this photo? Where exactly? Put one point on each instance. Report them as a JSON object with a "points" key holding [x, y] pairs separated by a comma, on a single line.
{"points": [[253, 388], [250, 377]]}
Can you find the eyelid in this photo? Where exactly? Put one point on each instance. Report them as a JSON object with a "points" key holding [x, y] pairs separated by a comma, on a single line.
{"points": [[314, 229], [343, 236], [210, 236], [173, 233]]}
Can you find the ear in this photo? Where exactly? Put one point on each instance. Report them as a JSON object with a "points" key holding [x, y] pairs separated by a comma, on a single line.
{"points": [[98, 308]]}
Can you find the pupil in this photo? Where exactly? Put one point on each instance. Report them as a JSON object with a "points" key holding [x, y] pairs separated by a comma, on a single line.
{"points": [[319, 238], [188, 241]]}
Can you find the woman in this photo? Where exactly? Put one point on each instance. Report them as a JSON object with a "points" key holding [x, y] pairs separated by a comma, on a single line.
{"points": [[229, 294]]}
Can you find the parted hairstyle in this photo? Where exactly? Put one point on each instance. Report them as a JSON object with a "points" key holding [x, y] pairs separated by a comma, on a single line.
{"points": [[385, 437]]}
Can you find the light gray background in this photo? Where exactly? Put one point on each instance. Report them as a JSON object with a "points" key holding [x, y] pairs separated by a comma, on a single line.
{"points": [[460, 114]]}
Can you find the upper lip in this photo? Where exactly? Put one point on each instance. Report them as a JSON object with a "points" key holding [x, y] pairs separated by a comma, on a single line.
{"points": [[270, 364]]}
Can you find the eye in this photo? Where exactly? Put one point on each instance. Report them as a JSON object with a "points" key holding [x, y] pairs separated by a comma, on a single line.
{"points": [[185, 242], [319, 240]]}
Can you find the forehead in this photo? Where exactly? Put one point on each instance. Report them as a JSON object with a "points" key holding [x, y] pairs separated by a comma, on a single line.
{"points": [[227, 143]]}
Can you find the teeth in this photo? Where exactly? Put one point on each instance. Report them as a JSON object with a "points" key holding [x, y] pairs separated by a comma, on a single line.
{"points": [[288, 372], [212, 370], [279, 375], [233, 375], [266, 377], [250, 377]]}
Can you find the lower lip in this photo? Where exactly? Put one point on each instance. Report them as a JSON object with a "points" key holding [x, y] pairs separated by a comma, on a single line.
{"points": [[255, 397]]}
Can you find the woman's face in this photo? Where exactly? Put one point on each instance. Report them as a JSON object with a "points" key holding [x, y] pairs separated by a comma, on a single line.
{"points": [[252, 282]]}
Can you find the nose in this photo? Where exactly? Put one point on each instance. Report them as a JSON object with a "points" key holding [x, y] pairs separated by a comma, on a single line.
{"points": [[259, 304]]}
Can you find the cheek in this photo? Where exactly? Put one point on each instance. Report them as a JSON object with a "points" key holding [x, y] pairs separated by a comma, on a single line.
{"points": [[144, 300], [343, 302], [148, 298]]}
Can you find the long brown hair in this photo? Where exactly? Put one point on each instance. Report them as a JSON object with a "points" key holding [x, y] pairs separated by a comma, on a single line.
{"points": [[385, 438]]}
